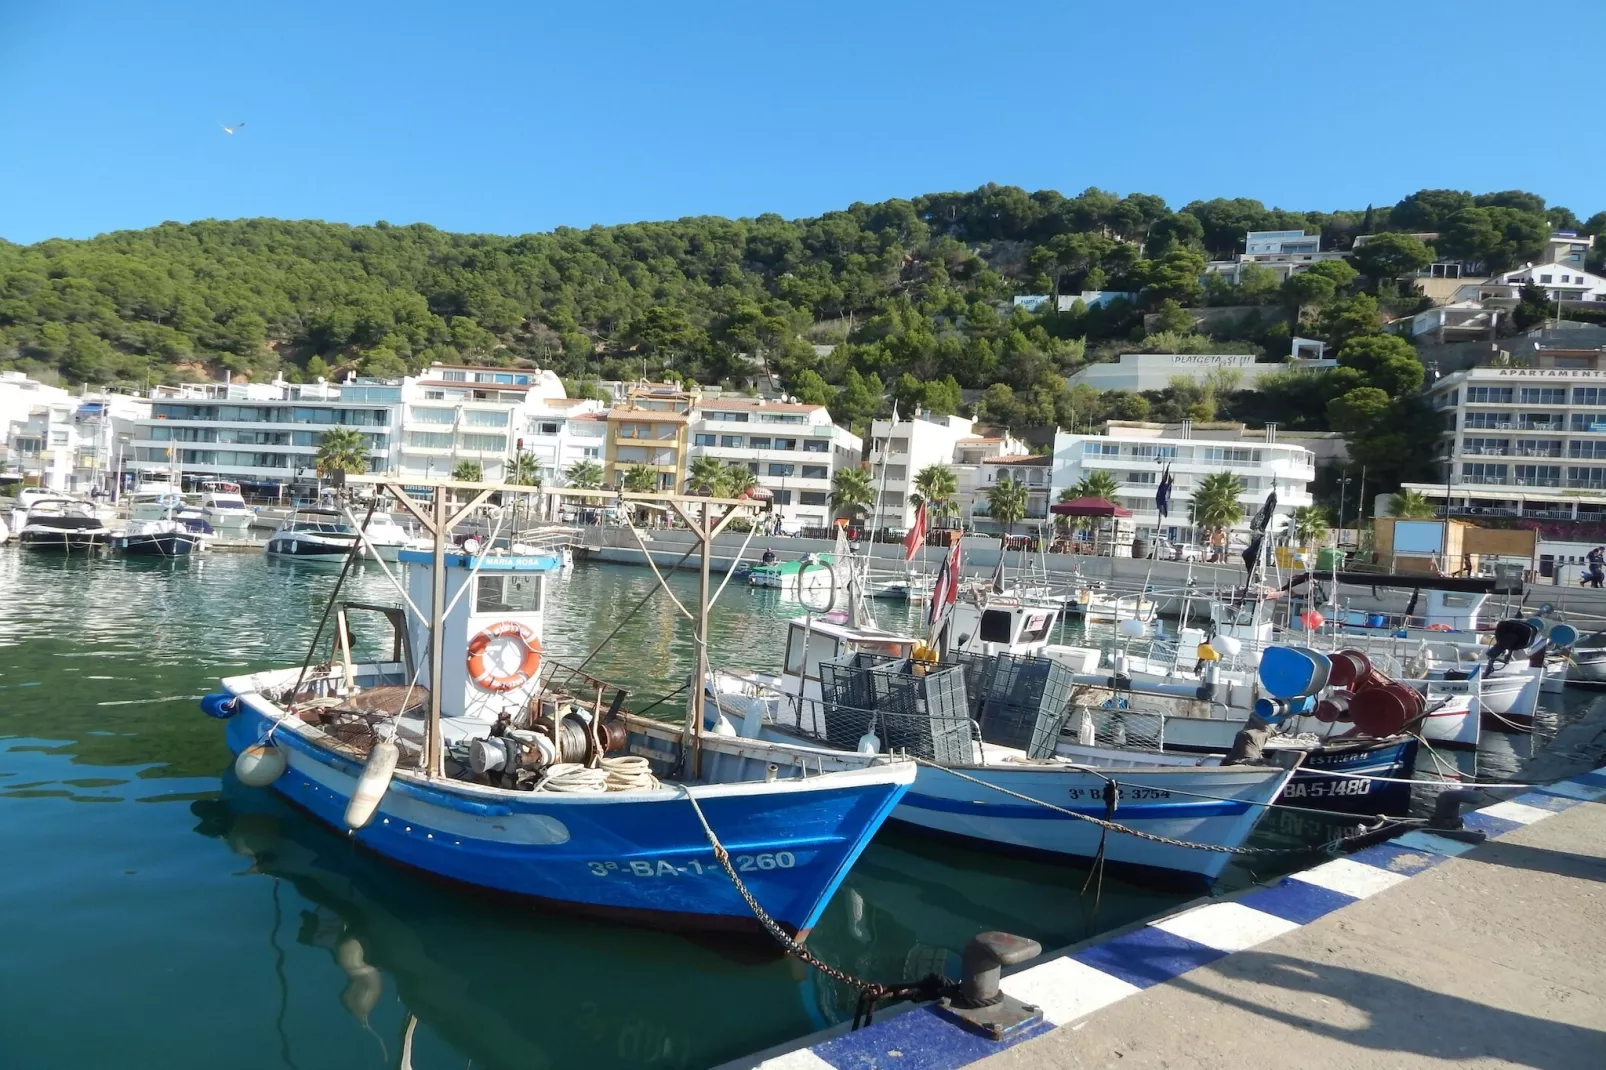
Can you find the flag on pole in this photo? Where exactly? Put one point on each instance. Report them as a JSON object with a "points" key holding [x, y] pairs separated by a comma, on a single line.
{"points": [[1162, 495], [1258, 526], [945, 592], [916, 538]]}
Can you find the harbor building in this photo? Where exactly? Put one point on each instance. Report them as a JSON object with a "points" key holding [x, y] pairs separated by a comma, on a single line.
{"points": [[1137, 454], [456, 414], [560, 433], [794, 450], [650, 427], [263, 436], [1525, 441], [899, 450], [61, 441]]}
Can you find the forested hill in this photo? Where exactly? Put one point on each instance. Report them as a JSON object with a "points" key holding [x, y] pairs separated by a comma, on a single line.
{"points": [[913, 285]]}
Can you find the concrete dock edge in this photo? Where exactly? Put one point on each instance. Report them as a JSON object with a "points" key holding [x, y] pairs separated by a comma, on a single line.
{"points": [[1074, 985]]}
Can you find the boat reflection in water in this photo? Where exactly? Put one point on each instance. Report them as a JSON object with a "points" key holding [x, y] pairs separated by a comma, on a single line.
{"points": [[503, 984]]}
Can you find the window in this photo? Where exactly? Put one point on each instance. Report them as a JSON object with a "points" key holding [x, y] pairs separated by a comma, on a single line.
{"points": [[591, 453], [815, 471], [783, 497], [58, 438], [1142, 477], [758, 442], [731, 442], [434, 395], [455, 377], [1543, 395], [30, 447], [1587, 449], [816, 445], [1483, 473], [703, 440], [428, 440], [1589, 395], [1591, 422], [1477, 446], [1594, 478], [547, 429], [484, 443], [785, 418], [811, 497], [484, 418], [1486, 420], [782, 470], [1544, 278], [507, 594], [432, 416], [1539, 475], [728, 417], [786, 443], [1489, 395], [1229, 455], [1101, 449]]}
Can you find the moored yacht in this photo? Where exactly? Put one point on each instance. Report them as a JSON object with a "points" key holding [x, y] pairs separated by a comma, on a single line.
{"points": [[62, 525], [223, 507], [312, 534]]}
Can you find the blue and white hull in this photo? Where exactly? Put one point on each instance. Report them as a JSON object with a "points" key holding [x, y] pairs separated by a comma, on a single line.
{"points": [[640, 856], [1350, 791], [1198, 804]]}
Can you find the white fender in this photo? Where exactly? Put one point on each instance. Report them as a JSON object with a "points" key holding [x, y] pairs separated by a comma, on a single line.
{"points": [[260, 765], [372, 785]]}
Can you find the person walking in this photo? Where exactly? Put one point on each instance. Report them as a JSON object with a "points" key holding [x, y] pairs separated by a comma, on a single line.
{"points": [[1597, 567]]}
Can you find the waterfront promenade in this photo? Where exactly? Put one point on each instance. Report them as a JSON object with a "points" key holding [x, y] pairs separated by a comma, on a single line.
{"points": [[1423, 952]]}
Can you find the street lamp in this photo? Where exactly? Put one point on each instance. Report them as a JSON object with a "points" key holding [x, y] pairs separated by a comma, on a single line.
{"points": [[1343, 486]]}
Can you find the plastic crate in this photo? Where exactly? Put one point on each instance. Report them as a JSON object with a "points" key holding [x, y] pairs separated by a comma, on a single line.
{"points": [[1026, 703], [924, 712]]}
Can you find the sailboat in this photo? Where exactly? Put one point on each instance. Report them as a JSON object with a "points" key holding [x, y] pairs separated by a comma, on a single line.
{"points": [[468, 753]]}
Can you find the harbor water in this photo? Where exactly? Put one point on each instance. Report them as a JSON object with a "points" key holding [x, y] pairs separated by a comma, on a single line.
{"points": [[155, 913]]}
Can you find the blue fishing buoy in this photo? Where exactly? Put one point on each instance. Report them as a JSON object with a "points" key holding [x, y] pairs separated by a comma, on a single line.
{"points": [[1563, 635], [220, 704]]}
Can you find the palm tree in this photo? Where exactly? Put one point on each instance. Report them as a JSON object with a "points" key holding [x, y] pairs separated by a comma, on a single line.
{"points": [[640, 479], [1098, 485], [936, 485], [1310, 524], [851, 491], [1411, 505], [1215, 502], [584, 475], [523, 471], [735, 480], [704, 474], [1006, 501], [342, 449], [468, 472]]}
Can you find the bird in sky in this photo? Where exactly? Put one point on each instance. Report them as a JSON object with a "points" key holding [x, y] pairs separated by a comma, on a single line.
{"points": [[231, 129]]}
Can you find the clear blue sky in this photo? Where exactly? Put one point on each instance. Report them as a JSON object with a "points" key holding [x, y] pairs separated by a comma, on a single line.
{"points": [[514, 117]]}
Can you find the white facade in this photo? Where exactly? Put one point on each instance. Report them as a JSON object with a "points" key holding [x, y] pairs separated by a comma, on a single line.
{"points": [[793, 449], [263, 436], [1559, 281], [1136, 455], [61, 441], [1033, 471], [561, 432], [897, 454], [1525, 441], [456, 414], [1155, 371], [1284, 252]]}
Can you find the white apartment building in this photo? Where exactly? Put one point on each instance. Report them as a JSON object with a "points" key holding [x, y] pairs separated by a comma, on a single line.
{"points": [[454, 414], [1033, 470], [793, 449], [1136, 454], [561, 432], [897, 454], [1525, 441], [1560, 282], [263, 436], [52, 438]]}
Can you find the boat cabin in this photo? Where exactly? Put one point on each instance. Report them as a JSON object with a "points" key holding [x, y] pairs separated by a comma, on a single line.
{"points": [[809, 641], [319, 522], [491, 636], [1002, 627]]}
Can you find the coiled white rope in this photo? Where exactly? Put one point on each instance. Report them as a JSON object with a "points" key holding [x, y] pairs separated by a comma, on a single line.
{"points": [[625, 773]]}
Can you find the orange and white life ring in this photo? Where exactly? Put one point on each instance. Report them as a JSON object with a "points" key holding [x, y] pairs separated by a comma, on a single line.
{"points": [[491, 680]]}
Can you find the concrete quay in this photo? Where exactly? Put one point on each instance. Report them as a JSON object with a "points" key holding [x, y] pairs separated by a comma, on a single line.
{"points": [[1422, 952]]}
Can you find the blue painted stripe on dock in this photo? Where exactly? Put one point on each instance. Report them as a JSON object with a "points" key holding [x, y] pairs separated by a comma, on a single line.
{"points": [[1072, 986], [1147, 956]]}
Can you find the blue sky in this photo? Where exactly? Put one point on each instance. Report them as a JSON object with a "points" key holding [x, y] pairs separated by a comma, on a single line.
{"points": [[518, 117]]}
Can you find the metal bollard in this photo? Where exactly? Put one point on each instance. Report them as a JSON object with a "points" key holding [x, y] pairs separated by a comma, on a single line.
{"points": [[1446, 820], [981, 1005]]}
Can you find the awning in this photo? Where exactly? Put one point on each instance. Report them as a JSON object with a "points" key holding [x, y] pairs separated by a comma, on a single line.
{"points": [[1088, 507]]}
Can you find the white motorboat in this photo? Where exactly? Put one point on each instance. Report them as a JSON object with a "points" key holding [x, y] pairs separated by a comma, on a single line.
{"points": [[385, 539], [62, 525], [312, 535], [223, 507], [5, 532], [153, 499]]}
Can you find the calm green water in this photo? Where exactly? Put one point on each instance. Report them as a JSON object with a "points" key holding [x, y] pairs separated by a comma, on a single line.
{"points": [[154, 914]]}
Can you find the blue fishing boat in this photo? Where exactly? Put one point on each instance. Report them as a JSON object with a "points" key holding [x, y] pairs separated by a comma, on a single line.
{"points": [[467, 753]]}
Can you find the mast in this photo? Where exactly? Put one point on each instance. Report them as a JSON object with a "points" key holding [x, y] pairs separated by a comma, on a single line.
{"points": [[699, 687], [434, 764]]}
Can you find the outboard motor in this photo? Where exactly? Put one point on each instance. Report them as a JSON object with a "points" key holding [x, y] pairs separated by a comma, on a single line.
{"points": [[1515, 636]]}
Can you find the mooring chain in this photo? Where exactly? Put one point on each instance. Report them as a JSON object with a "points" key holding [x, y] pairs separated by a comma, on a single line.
{"points": [[870, 992], [1327, 846]]}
